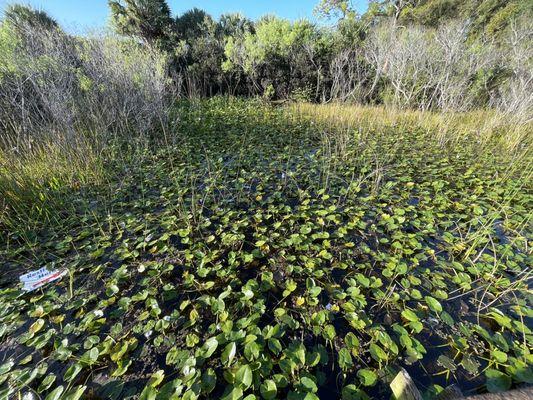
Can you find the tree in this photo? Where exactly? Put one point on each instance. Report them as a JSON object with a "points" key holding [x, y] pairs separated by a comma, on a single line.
{"points": [[335, 8], [148, 20], [192, 23], [201, 58], [486, 16], [279, 54], [234, 24], [20, 16], [388, 8]]}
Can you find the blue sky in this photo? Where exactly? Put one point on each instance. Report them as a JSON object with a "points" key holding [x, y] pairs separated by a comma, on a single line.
{"points": [[79, 15]]}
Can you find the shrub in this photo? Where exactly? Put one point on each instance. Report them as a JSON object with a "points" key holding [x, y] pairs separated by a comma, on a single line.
{"points": [[63, 101], [60, 83]]}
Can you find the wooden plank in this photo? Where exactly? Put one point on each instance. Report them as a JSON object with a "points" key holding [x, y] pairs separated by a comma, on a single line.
{"points": [[404, 388], [525, 393]]}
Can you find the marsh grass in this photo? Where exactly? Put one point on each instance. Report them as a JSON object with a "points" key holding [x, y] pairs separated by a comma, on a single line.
{"points": [[35, 176], [483, 125]]}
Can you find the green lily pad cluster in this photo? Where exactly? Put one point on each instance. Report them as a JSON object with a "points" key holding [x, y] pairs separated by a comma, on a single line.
{"points": [[263, 255]]}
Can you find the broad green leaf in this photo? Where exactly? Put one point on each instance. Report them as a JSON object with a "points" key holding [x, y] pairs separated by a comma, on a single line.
{"points": [[268, 389], [122, 367], [46, 383], [172, 356], [499, 356], [36, 326], [6, 367], [345, 359], [233, 393], [90, 356], [156, 378], [409, 315], [497, 381], [433, 304], [148, 393], [352, 392], [302, 396], [329, 332], [229, 353], [55, 394], [308, 384], [521, 371], [367, 377], [244, 376], [209, 347], [351, 341], [377, 353], [72, 372], [275, 346], [75, 394], [447, 363], [209, 381]]}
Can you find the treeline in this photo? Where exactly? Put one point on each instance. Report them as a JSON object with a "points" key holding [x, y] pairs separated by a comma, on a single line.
{"points": [[426, 54], [450, 55]]}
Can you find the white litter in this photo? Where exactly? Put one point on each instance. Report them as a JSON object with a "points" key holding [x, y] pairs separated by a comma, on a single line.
{"points": [[36, 279]]}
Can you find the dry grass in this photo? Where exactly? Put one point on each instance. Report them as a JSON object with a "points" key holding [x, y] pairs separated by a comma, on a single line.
{"points": [[484, 125]]}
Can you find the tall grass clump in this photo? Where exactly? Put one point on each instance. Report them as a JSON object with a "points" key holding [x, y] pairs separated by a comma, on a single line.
{"points": [[485, 126], [66, 103]]}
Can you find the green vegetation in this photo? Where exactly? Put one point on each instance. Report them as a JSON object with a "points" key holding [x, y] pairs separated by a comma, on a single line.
{"points": [[243, 248], [450, 46], [281, 252]]}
